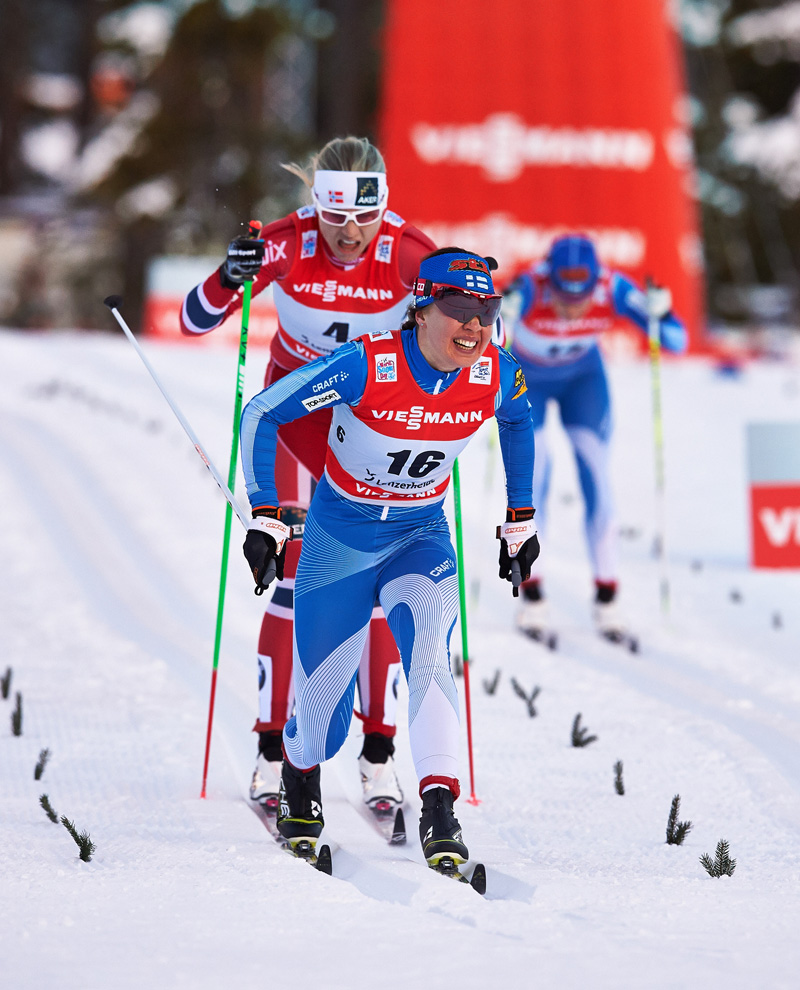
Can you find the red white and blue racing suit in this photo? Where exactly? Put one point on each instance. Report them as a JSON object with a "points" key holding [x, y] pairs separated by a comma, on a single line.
{"points": [[376, 526], [562, 362], [321, 303]]}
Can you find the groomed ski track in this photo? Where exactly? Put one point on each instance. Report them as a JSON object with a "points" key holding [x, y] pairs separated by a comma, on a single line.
{"points": [[111, 529]]}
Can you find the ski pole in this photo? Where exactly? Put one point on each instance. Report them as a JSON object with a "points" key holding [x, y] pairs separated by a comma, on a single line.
{"points": [[462, 604], [655, 305], [254, 228], [113, 303]]}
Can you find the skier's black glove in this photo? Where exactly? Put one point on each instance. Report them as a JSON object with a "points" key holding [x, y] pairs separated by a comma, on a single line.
{"points": [[244, 260], [519, 546], [265, 546]]}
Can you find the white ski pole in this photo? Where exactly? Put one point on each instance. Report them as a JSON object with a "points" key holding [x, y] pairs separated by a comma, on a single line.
{"points": [[658, 303], [113, 303]]}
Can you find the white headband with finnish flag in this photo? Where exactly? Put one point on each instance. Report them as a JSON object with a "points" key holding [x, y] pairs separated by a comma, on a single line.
{"points": [[349, 190]]}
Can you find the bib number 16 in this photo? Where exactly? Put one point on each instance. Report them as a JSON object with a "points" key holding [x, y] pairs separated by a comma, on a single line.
{"points": [[423, 463]]}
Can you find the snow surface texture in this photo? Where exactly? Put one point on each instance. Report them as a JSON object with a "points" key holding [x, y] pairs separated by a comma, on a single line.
{"points": [[110, 533]]}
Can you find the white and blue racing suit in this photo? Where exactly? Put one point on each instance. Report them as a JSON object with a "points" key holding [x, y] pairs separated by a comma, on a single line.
{"points": [[376, 528]]}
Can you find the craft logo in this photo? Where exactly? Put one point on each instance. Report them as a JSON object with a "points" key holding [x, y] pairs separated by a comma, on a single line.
{"points": [[321, 400], [462, 264], [383, 250], [386, 368], [335, 198], [443, 568], [481, 372], [366, 191], [309, 248]]}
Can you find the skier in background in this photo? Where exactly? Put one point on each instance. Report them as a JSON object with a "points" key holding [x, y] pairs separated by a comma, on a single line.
{"points": [[338, 267], [405, 404], [555, 311]]}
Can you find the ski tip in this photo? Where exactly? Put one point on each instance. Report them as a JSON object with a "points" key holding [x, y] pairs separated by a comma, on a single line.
{"points": [[113, 302], [324, 861], [399, 830], [478, 879]]}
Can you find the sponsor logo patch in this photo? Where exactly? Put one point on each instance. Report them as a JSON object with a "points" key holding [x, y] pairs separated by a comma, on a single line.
{"points": [[309, 248], [385, 367], [381, 335], [366, 191], [520, 385], [393, 219], [481, 372], [306, 211], [383, 249], [462, 264], [321, 400]]}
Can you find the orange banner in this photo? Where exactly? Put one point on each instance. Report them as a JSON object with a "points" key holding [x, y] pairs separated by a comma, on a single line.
{"points": [[507, 123]]}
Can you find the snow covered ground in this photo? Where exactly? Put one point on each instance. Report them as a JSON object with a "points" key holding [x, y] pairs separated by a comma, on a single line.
{"points": [[110, 534]]}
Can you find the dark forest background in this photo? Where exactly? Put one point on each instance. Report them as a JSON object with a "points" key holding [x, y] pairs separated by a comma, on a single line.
{"points": [[133, 130]]}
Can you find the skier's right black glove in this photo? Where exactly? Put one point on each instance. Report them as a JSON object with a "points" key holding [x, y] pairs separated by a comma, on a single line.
{"points": [[244, 261], [519, 546], [265, 546]]}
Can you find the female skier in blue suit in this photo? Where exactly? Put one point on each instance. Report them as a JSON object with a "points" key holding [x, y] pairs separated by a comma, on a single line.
{"points": [[405, 403]]}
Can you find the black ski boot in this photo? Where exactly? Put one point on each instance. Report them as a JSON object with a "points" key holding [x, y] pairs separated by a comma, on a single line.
{"points": [[439, 831], [300, 812]]}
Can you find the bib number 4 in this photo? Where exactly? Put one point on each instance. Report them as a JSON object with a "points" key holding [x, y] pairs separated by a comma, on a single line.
{"points": [[339, 331]]}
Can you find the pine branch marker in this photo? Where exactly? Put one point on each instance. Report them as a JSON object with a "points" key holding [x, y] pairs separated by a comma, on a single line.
{"points": [[490, 686], [16, 717], [619, 786], [5, 682], [579, 737], [44, 801], [528, 699], [721, 865], [85, 845], [38, 770], [676, 831]]}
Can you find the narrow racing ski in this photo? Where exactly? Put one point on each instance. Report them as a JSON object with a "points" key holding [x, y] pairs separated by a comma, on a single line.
{"points": [[447, 867], [390, 823], [318, 856]]}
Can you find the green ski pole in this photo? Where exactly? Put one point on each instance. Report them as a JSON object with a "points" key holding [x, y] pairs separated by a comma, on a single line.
{"points": [[462, 604], [254, 229]]}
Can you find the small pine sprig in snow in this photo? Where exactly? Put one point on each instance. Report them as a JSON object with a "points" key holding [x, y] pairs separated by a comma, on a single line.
{"points": [[5, 682], [16, 717], [38, 770], [619, 786], [721, 865], [44, 801], [85, 845], [676, 831], [579, 737], [528, 699]]}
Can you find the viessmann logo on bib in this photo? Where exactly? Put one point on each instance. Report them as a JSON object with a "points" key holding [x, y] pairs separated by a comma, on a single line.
{"points": [[416, 416]]}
